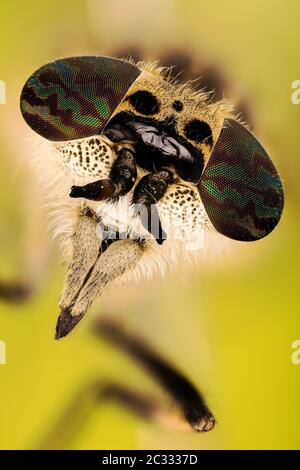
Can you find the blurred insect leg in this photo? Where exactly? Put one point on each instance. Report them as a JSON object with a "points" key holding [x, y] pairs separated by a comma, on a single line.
{"points": [[121, 180], [85, 403], [14, 291], [120, 258], [189, 400], [86, 247], [150, 189]]}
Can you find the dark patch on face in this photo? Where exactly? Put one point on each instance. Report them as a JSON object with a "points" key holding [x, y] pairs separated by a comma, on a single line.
{"points": [[144, 102], [157, 144], [198, 131], [177, 105]]}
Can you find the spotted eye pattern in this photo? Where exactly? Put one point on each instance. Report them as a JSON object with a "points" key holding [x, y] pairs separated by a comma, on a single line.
{"points": [[240, 187], [74, 98]]}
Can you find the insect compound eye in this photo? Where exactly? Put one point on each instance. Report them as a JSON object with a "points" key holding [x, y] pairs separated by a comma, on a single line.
{"points": [[240, 187], [75, 97], [198, 131], [144, 102]]}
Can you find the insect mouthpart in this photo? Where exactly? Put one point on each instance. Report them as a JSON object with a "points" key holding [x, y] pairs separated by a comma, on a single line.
{"points": [[101, 255]]}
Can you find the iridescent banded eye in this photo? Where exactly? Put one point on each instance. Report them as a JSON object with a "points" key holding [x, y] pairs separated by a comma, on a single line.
{"points": [[75, 97], [240, 187]]}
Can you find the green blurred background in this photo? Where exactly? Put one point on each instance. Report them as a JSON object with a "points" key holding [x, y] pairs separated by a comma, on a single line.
{"points": [[229, 324]]}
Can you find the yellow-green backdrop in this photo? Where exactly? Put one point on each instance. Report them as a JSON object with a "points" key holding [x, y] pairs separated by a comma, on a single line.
{"points": [[228, 325]]}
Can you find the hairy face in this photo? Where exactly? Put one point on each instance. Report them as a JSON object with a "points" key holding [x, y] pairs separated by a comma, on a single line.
{"points": [[141, 171]]}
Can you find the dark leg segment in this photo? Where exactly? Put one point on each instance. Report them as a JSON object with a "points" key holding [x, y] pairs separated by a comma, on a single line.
{"points": [[84, 405], [16, 292], [188, 398], [121, 180], [147, 193]]}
